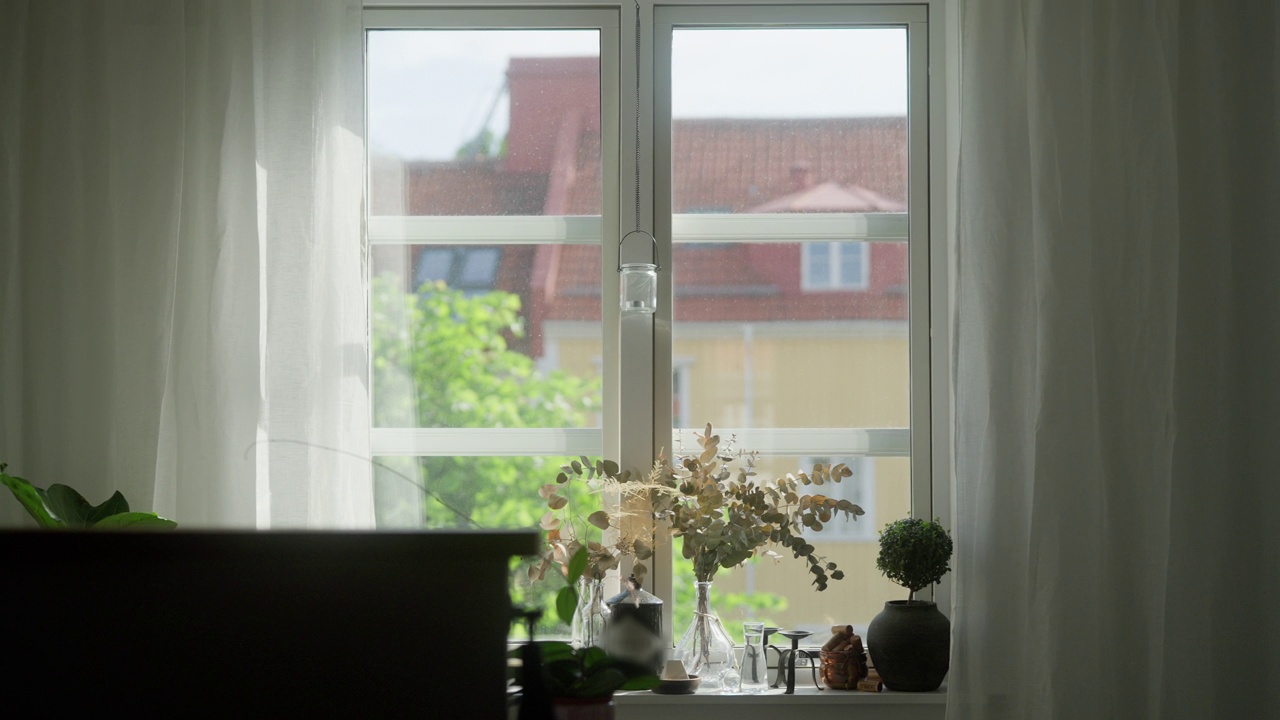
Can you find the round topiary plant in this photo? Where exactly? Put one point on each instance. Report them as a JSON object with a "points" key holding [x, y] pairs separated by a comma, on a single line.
{"points": [[914, 553]]}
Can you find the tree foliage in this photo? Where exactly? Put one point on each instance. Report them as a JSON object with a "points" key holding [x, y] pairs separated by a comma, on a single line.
{"points": [[442, 359]]}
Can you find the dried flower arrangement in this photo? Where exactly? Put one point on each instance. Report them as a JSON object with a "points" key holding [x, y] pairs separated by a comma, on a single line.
{"points": [[712, 500]]}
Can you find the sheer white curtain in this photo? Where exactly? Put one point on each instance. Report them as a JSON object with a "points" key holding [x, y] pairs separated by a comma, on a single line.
{"points": [[180, 250], [1117, 391]]}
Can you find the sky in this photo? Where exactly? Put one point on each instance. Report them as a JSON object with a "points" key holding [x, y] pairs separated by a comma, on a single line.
{"points": [[430, 91]]}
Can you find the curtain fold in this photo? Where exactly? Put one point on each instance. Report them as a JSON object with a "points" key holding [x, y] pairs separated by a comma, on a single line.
{"points": [[184, 313], [1116, 395]]}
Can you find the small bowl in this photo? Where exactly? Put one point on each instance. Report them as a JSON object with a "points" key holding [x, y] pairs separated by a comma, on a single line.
{"points": [[678, 687]]}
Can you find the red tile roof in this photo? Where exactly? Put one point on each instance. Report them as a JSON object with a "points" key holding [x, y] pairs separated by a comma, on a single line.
{"points": [[734, 165]]}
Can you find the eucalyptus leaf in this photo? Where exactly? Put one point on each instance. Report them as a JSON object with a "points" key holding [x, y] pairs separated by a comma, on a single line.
{"points": [[600, 519]]}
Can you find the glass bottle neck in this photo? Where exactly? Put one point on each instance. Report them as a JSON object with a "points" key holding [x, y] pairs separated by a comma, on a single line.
{"points": [[703, 592]]}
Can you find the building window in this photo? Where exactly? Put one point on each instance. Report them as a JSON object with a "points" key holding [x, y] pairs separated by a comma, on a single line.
{"points": [[472, 270], [778, 143], [835, 266]]}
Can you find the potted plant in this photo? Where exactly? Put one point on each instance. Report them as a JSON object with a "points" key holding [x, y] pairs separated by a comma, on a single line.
{"points": [[61, 507], [910, 640], [577, 683]]}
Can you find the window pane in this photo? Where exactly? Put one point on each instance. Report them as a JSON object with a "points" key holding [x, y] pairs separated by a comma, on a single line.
{"points": [[819, 265], [471, 346], [768, 120], [791, 334], [479, 267], [852, 264], [434, 264], [795, 334], [484, 122], [479, 492], [758, 351]]}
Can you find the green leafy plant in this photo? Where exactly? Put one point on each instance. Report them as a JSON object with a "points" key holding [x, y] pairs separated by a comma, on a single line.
{"points": [[587, 672], [446, 359], [914, 553], [61, 507]]}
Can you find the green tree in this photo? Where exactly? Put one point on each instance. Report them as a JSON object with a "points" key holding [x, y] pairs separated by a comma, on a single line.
{"points": [[441, 359]]}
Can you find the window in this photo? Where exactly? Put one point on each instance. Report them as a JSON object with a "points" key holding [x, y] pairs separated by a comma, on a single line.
{"points": [[473, 270], [834, 266], [784, 170]]}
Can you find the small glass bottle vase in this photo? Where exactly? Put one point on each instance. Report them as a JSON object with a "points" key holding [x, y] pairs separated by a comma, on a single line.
{"points": [[706, 649], [591, 615]]}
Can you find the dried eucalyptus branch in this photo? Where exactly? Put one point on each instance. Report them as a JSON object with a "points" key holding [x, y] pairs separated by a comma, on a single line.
{"points": [[712, 501]]}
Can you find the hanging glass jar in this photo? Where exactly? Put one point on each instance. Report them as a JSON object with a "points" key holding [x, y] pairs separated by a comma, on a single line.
{"points": [[591, 615], [706, 649]]}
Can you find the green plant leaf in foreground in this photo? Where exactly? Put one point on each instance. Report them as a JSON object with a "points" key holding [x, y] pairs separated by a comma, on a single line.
{"points": [[32, 499], [601, 683], [76, 512], [566, 603], [135, 521], [643, 682], [577, 565]]}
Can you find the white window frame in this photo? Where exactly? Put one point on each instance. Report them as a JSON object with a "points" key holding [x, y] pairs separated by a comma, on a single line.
{"points": [[913, 226], [935, 40]]}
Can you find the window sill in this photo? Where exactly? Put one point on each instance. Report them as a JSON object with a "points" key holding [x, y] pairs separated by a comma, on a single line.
{"points": [[816, 705]]}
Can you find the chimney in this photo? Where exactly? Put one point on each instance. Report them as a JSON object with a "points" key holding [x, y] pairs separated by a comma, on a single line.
{"points": [[800, 176]]}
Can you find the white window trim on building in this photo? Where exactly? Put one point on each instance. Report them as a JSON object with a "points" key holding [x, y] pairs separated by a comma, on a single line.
{"points": [[835, 279]]}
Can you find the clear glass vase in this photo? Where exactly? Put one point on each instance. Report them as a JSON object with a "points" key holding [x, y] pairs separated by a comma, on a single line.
{"points": [[591, 616], [706, 649], [754, 665]]}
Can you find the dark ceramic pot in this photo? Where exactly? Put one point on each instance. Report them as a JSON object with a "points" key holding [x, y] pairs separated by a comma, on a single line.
{"points": [[910, 645]]}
